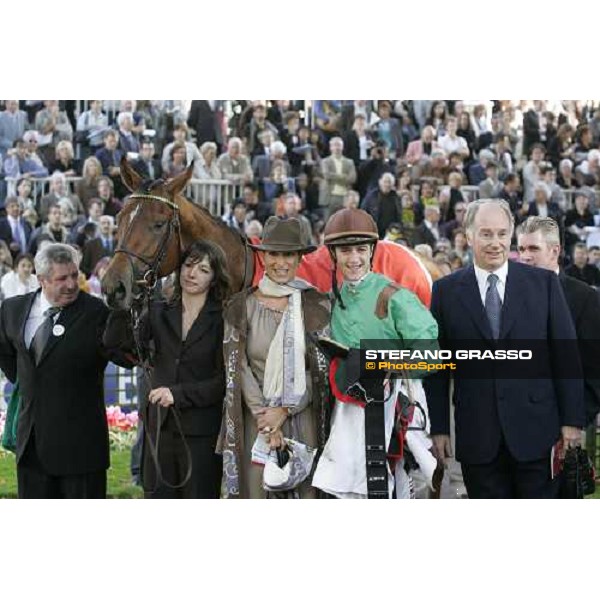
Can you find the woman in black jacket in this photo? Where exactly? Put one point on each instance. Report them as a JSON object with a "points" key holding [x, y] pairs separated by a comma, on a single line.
{"points": [[188, 374]]}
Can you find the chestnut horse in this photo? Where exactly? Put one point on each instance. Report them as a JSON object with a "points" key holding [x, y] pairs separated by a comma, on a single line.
{"points": [[158, 222]]}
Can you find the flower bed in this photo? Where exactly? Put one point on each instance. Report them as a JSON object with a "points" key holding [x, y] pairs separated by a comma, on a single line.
{"points": [[122, 428]]}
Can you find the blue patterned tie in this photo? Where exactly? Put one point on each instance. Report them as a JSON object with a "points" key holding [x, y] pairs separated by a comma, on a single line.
{"points": [[493, 305]]}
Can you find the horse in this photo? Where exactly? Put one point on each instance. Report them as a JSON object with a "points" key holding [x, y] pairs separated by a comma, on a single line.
{"points": [[157, 223]]}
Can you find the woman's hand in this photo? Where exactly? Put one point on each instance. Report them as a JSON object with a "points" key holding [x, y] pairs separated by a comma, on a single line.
{"points": [[162, 396], [275, 440], [271, 418]]}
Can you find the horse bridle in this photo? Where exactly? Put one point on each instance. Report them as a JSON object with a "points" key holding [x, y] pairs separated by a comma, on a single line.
{"points": [[148, 283], [150, 277]]}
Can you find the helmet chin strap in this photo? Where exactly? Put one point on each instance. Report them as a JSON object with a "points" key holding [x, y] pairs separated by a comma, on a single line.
{"points": [[337, 297]]}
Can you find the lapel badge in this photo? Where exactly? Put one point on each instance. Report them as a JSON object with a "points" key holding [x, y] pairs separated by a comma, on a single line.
{"points": [[58, 330]]}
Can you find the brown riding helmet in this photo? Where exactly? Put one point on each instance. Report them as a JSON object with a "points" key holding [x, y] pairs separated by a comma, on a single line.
{"points": [[350, 226]]}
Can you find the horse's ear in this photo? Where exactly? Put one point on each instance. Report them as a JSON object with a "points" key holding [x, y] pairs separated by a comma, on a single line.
{"points": [[177, 184], [130, 177]]}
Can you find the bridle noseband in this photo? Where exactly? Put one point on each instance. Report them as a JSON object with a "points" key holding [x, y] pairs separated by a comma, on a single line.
{"points": [[150, 277], [144, 354]]}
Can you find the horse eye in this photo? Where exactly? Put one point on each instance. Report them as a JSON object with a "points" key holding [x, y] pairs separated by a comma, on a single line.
{"points": [[159, 225]]}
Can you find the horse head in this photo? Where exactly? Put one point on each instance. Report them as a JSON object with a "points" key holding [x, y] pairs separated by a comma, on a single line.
{"points": [[148, 236]]}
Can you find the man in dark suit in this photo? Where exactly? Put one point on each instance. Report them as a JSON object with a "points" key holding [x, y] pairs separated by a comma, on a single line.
{"points": [[100, 246], [506, 424], [146, 165], [539, 245], [50, 340], [110, 159], [14, 229], [205, 118], [427, 232], [580, 268]]}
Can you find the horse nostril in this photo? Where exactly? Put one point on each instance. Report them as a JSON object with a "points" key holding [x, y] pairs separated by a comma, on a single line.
{"points": [[119, 292]]}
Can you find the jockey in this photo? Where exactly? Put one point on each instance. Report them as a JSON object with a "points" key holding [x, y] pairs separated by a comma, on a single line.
{"points": [[364, 455]]}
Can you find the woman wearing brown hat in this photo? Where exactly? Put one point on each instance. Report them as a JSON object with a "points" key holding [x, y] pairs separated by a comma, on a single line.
{"points": [[276, 376]]}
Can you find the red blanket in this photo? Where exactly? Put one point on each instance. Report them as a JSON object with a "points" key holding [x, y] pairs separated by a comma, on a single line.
{"points": [[396, 262]]}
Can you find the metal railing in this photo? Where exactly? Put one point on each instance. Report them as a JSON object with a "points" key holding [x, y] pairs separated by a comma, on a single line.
{"points": [[40, 186], [216, 195]]}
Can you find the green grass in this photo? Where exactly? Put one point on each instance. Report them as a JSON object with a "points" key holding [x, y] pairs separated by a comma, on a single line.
{"points": [[119, 479]]}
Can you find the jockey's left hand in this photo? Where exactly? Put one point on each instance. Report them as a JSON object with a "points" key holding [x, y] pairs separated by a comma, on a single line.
{"points": [[272, 418], [571, 437], [162, 396]]}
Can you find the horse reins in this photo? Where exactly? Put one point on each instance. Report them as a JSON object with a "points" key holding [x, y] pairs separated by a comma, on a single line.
{"points": [[140, 302]]}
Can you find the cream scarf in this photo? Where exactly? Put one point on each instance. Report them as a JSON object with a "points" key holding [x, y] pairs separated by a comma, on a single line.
{"points": [[285, 374]]}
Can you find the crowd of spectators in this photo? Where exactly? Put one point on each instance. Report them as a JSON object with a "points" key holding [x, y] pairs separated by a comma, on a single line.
{"points": [[413, 165]]}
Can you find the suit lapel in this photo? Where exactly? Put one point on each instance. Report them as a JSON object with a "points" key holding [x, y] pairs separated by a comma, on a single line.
{"points": [[67, 318], [173, 316], [24, 316], [471, 300], [202, 323]]}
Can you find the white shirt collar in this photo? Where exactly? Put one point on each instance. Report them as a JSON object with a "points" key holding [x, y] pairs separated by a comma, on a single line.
{"points": [[356, 283], [482, 280], [44, 303]]}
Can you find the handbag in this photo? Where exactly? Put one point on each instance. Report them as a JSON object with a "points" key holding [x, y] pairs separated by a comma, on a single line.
{"points": [[578, 476], [292, 466], [9, 436]]}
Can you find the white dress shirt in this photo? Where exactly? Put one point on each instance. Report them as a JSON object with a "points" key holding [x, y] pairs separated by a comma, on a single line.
{"points": [[36, 316], [482, 281], [11, 285]]}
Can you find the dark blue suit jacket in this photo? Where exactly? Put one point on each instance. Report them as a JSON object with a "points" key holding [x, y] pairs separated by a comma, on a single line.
{"points": [[109, 159], [526, 413]]}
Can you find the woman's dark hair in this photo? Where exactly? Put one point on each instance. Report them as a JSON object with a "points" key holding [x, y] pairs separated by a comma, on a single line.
{"points": [[176, 146], [21, 257], [433, 107], [220, 287]]}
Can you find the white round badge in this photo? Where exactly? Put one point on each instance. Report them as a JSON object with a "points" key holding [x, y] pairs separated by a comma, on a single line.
{"points": [[58, 330]]}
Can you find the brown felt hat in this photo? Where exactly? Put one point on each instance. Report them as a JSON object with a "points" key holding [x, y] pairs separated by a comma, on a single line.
{"points": [[283, 235]]}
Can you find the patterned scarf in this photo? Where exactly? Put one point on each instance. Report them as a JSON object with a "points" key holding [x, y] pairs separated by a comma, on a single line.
{"points": [[285, 374]]}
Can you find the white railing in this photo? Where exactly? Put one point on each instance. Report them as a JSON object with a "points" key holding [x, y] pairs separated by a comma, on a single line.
{"points": [[216, 195], [470, 192], [40, 186]]}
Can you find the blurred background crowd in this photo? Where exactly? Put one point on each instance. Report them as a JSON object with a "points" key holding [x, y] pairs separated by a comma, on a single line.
{"points": [[414, 165]]}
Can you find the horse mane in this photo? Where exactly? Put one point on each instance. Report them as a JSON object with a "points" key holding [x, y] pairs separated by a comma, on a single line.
{"points": [[216, 220]]}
